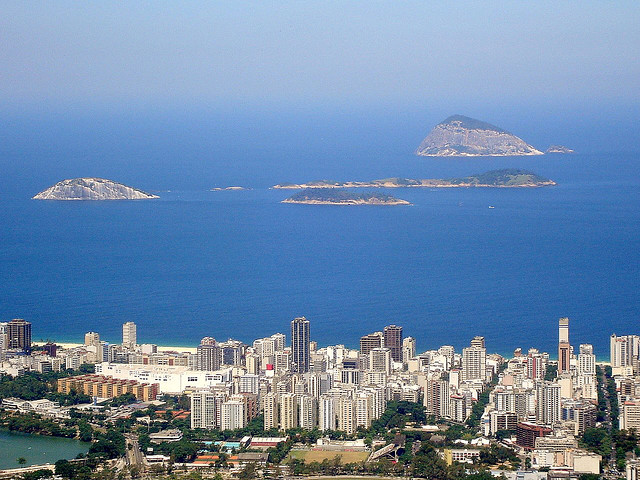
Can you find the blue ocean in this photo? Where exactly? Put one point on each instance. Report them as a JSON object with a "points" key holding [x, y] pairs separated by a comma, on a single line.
{"points": [[239, 264]]}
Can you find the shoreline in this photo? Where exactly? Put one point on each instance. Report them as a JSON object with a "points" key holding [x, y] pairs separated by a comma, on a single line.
{"points": [[161, 348], [167, 348]]}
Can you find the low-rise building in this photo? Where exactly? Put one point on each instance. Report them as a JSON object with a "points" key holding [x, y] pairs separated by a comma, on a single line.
{"points": [[107, 387], [460, 455], [170, 379], [170, 435]]}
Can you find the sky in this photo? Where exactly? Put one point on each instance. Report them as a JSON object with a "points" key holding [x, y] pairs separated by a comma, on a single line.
{"points": [[314, 53]]}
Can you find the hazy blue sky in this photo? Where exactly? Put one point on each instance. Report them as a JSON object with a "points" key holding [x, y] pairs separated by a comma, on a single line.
{"points": [[299, 52]]}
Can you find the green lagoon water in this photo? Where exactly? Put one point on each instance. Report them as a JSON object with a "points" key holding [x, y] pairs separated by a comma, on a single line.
{"points": [[36, 449]]}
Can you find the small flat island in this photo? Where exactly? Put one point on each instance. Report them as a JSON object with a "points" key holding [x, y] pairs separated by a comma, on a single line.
{"points": [[333, 196], [559, 149], [505, 178]]}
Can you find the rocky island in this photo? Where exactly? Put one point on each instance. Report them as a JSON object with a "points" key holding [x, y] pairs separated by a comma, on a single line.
{"points": [[92, 189], [331, 196], [559, 149], [504, 178], [467, 137]]}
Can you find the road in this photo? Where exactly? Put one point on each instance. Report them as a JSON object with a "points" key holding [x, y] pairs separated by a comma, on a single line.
{"points": [[605, 391], [133, 456]]}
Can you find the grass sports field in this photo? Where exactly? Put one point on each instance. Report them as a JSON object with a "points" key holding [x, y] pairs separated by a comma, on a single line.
{"points": [[319, 455]]}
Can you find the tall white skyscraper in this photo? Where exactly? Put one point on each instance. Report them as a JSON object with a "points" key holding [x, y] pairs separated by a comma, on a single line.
{"points": [[232, 415], [327, 412], [205, 409], [474, 363], [586, 360], [129, 335]]}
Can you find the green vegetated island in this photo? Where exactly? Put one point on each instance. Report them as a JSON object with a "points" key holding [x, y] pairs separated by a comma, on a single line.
{"points": [[334, 196], [505, 178]]}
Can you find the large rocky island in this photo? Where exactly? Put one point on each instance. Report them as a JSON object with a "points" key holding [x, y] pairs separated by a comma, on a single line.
{"points": [[330, 196], [92, 189], [505, 178], [467, 137]]}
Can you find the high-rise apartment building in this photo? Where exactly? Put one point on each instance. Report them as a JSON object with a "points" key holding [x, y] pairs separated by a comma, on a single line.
{"points": [[279, 341], [307, 415], [4, 341], [536, 364], [232, 415], [371, 341], [252, 362], [436, 398], [206, 409], [300, 351], [408, 349], [629, 415], [393, 341], [19, 334], [380, 360], [564, 348], [209, 355], [478, 341], [346, 415], [318, 383], [474, 363], [624, 351], [350, 372], [92, 340], [288, 411], [586, 360], [232, 352], [327, 411], [364, 409], [249, 383], [270, 411], [458, 408], [548, 406], [129, 335], [283, 361]]}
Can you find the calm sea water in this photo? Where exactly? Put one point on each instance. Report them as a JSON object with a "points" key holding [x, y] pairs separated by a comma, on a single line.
{"points": [[240, 264], [36, 449]]}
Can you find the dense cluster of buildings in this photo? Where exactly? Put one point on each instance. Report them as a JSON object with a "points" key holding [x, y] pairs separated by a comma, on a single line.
{"points": [[625, 367], [297, 384]]}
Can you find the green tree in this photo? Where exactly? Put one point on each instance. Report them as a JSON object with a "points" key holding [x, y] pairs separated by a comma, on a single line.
{"points": [[37, 474], [248, 472], [64, 469]]}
